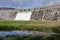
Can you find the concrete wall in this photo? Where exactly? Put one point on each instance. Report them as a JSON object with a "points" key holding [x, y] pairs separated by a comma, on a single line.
{"points": [[7, 14], [50, 13]]}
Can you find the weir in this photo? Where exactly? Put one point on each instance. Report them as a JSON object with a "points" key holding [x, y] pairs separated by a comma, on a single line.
{"points": [[49, 13], [25, 16]]}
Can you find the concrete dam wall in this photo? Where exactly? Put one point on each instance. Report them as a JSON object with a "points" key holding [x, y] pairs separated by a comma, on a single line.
{"points": [[15, 14], [7, 13], [49, 13]]}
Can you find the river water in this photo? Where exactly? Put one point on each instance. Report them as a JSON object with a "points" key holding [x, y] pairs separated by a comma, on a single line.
{"points": [[26, 33], [5, 33], [21, 33]]}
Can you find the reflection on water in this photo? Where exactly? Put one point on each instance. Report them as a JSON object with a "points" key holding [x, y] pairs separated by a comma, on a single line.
{"points": [[5, 33], [26, 33], [21, 33]]}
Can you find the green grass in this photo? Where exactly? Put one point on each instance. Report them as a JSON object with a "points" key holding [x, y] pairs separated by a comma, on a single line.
{"points": [[29, 25], [17, 37]]}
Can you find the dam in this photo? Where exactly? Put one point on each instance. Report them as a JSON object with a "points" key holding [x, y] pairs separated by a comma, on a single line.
{"points": [[49, 13]]}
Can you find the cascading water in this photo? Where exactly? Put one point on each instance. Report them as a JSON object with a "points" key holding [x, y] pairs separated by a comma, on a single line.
{"points": [[23, 16]]}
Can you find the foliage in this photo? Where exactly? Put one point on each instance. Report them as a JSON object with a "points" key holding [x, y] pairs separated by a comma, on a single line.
{"points": [[44, 26], [52, 37]]}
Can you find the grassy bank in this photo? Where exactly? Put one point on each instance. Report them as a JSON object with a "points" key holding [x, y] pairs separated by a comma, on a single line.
{"points": [[52, 37], [30, 25]]}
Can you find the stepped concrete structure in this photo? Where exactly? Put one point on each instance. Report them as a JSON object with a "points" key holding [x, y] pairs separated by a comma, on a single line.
{"points": [[49, 13], [7, 13]]}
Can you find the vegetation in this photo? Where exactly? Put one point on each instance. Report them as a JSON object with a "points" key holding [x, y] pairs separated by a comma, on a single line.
{"points": [[44, 26], [53, 37]]}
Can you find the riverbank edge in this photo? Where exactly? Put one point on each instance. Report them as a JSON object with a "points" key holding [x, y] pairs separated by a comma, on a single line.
{"points": [[42, 26]]}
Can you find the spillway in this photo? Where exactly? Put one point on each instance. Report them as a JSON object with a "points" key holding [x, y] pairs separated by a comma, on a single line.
{"points": [[25, 16]]}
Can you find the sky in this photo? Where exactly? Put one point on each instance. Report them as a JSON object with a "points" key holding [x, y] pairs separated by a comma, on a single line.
{"points": [[28, 3]]}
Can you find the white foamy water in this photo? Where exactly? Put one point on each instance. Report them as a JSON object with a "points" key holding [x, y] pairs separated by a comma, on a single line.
{"points": [[23, 16]]}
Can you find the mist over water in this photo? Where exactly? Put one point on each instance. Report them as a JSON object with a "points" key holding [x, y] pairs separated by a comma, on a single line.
{"points": [[23, 16]]}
